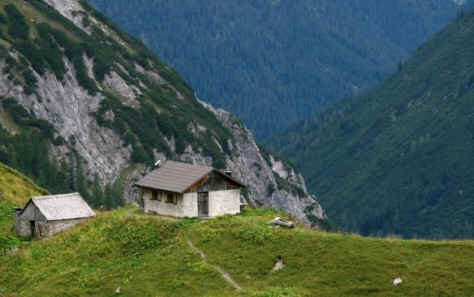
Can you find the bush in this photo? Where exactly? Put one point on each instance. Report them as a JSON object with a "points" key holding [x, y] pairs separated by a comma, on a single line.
{"points": [[50, 51], [24, 118], [270, 189], [33, 54], [139, 155], [219, 162], [30, 81], [18, 28], [7, 242], [285, 185], [3, 19]]}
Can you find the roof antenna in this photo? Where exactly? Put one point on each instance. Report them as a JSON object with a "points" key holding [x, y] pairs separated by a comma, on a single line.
{"points": [[157, 164]]}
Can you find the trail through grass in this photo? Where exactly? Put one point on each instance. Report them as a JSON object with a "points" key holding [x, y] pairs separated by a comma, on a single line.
{"points": [[222, 272], [149, 256]]}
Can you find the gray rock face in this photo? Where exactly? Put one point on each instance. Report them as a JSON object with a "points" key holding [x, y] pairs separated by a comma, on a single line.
{"points": [[69, 107], [248, 164], [72, 10]]}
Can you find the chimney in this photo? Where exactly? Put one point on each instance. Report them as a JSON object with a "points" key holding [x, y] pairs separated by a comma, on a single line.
{"points": [[228, 172]]}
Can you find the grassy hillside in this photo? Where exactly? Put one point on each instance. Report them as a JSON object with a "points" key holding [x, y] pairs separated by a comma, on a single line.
{"points": [[400, 159], [15, 190], [280, 60], [147, 256]]}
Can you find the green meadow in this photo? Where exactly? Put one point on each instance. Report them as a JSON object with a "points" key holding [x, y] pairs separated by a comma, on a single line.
{"points": [[127, 253]]}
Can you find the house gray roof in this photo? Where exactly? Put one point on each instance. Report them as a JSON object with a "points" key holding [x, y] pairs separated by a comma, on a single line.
{"points": [[178, 177], [63, 207]]}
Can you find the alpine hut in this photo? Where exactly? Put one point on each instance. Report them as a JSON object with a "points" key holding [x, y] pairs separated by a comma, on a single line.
{"points": [[184, 190], [45, 216]]}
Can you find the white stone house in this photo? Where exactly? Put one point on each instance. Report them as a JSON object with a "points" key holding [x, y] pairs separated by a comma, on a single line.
{"points": [[184, 190], [45, 216]]}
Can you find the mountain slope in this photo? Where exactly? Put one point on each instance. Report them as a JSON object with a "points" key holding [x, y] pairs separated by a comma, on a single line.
{"points": [[273, 63], [85, 107], [15, 190], [123, 253], [399, 159]]}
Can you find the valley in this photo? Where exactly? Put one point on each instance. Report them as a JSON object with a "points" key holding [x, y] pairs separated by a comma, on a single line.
{"points": [[378, 186], [399, 159], [281, 60]]}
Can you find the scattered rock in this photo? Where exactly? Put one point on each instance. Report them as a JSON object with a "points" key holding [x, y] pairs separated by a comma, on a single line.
{"points": [[280, 222], [278, 265], [397, 281]]}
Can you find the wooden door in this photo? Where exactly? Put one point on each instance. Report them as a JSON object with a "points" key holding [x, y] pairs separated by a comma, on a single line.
{"points": [[203, 204]]}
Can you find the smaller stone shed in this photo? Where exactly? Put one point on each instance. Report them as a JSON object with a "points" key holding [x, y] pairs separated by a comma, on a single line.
{"points": [[45, 216], [185, 190]]}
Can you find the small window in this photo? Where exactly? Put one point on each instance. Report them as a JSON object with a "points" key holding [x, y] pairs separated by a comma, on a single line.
{"points": [[169, 198], [154, 195]]}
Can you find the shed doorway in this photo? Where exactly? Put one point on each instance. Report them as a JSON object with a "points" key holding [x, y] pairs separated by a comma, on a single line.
{"points": [[203, 204], [33, 228]]}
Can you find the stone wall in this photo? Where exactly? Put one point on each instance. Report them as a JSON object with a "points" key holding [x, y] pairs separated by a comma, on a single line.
{"points": [[22, 227], [186, 205], [224, 202], [43, 228], [47, 229]]}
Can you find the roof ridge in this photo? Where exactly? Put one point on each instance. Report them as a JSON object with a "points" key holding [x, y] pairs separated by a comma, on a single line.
{"points": [[185, 163], [63, 206], [44, 197], [178, 177]]}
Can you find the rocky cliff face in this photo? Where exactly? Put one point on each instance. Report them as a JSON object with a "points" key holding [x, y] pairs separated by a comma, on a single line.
{"points": [[271, 182], [136, 111]]}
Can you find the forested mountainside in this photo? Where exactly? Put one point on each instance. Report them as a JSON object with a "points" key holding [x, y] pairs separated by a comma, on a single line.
{"points": [[85, 107], [400, 159], [273, 63]]}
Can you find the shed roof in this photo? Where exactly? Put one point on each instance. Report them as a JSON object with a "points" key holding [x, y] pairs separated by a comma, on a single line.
{"points": [[63, 207], [178, 177]]}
